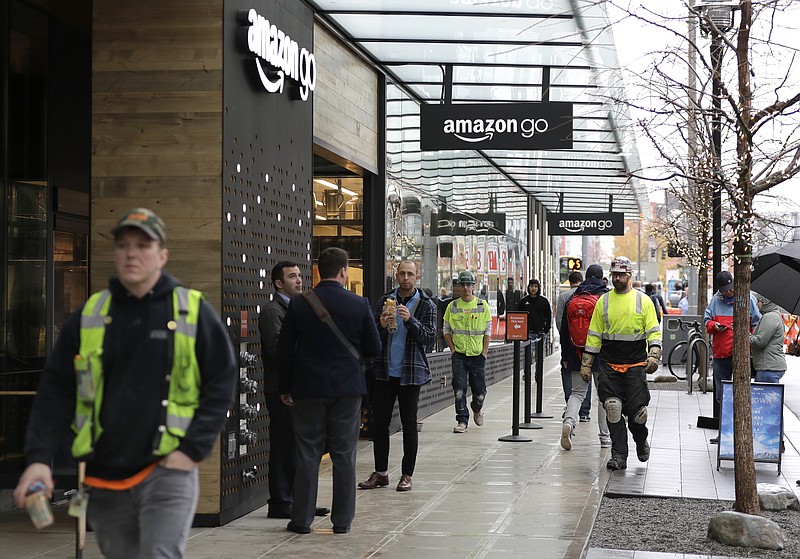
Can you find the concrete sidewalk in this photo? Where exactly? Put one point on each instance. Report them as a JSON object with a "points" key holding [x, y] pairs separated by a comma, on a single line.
{"points": [[473, 495]]}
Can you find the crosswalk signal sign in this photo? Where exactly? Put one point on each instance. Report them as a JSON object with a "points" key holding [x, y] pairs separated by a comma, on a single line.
{"points": [[574, 264]]}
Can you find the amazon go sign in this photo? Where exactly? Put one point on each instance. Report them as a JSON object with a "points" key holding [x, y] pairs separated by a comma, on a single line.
{"points": [[278, 57], [607, 223], [525, 126]]}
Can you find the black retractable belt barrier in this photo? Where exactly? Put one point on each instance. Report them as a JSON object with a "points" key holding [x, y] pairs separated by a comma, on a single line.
{"points": [[515, 436], [540, 378], [528, 380]]}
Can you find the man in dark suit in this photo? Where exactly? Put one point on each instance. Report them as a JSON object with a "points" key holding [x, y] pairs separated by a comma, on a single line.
{"points": [[288, 283], [324, 381]]}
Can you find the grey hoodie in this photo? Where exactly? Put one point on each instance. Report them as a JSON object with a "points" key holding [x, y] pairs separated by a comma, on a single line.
{"points": [[767, 338]]}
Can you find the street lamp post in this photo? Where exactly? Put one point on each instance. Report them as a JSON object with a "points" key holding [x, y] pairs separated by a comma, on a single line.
{"points": [[718, 19]]}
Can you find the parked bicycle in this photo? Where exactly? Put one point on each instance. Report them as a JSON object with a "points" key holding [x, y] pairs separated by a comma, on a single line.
{"points": [[690, 356]]}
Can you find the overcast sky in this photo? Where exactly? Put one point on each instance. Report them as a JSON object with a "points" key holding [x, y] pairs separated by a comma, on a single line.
{"points": [[635, 43]]}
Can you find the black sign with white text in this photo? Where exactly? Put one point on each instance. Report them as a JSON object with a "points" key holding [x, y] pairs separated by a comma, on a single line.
{"points": [[608, 223], [525, 126]]}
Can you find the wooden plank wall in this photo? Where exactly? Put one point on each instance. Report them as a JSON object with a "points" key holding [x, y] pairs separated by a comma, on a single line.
{"points": [[157, 142], [157, 130], [345, 102]]}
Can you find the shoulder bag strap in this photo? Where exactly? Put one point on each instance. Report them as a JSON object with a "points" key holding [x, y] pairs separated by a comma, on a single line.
{"points": [[325, 317]]}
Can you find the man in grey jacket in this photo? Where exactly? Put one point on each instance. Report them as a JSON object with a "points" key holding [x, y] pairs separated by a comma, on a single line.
{"points": [[288, 282], [767, 342]]}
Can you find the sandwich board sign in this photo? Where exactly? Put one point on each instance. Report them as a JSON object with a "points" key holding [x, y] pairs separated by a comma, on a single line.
{"points": [[767, 408]]}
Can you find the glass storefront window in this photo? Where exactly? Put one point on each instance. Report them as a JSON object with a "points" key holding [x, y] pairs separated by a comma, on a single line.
{"points": [[450, 212], [339, 222], [25, 279]]}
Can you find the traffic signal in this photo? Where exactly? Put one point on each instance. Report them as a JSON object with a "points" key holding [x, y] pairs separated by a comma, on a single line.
{"points": [[574, 264]]}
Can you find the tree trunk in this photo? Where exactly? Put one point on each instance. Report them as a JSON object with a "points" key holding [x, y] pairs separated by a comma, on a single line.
{"points": [[744, 462]]}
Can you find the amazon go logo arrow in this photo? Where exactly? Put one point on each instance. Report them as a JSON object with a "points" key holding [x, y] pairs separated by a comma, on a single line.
{"points": [[524, 126]]}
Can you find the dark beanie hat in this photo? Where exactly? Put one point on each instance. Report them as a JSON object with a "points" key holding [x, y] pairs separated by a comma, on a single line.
{"points": [[594, 271]]}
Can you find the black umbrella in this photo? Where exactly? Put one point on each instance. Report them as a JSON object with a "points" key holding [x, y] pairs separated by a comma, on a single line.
{"points": [[776, 275]]}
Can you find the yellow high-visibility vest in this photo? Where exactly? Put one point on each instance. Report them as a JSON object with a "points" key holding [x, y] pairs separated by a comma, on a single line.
{"points": [[184, 379]]}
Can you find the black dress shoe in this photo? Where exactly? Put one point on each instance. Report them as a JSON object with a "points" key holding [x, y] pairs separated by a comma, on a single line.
{"points": [[321, 511], [279, 512], [298, 529], [341, 529]]}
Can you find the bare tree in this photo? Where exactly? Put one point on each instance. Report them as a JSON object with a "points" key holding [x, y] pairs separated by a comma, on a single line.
{"points": [[754, 103]]}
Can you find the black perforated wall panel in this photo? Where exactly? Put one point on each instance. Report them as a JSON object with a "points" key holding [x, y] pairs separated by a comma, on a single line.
{"points": [[267, 212]]}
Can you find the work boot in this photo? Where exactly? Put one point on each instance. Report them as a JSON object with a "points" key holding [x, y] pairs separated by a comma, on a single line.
{"points": [[643, 451], [617, 462], [477, 417]]}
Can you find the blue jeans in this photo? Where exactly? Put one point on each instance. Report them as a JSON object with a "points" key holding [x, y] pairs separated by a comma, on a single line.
{"points": [[769, 376], [723, 370], [150, 520], [567, 384], [468, 372]]}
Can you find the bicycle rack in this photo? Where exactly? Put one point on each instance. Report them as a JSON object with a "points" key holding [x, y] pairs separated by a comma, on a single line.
{"points": [[695, 338]]}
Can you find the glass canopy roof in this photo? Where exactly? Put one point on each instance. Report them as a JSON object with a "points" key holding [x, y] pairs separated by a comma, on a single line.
{"points": [[501, 51]]}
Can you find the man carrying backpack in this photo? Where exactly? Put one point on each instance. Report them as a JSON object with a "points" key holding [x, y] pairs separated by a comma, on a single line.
{"points": [[574, 328]]}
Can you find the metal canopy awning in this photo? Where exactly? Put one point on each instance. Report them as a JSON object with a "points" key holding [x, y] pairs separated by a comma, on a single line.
{"points": [[501, 51]]}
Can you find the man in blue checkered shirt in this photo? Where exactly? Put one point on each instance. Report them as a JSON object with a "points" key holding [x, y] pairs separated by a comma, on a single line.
{"points": [[400, 372]]}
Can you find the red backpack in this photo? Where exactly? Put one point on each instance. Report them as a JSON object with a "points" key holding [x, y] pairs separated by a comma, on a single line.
{"points": [[579, 314]]}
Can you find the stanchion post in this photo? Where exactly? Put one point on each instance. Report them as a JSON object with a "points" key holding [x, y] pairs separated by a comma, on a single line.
{"points": [[515, 436], [540, 378], [529, 347], [516, 331]]}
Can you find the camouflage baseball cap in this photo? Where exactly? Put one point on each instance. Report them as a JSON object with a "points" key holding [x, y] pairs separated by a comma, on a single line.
{"points": [[143, 219]]}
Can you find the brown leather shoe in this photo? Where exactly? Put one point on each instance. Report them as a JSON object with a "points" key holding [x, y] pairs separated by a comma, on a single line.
{"points": [[374, 480], [405, 483]]}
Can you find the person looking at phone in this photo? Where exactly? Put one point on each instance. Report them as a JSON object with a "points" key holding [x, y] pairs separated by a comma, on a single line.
{"points": [[718, 319]]}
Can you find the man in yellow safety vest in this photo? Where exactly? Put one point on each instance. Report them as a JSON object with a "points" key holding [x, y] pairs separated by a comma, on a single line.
{"points": [[467, 330], [144, 375], [625, 336]]}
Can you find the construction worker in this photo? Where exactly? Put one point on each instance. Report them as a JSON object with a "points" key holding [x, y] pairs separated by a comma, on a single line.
{"points": [[467, 328], [145, 372], [625, 336]]}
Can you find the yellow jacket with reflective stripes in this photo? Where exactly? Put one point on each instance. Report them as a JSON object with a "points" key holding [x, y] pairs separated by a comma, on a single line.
{"points": [[184, 380], [468, 323], [624, 326]]}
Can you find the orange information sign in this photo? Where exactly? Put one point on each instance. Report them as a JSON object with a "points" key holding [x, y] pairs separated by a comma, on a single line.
{"points": [[517, 326]]}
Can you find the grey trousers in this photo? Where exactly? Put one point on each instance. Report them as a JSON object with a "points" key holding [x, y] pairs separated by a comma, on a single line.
{"points": [[337, 421], [148, 521]]}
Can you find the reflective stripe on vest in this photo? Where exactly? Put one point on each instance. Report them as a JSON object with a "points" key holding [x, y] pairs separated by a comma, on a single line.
{"points": [[468, 326], [632, 337], [184, 379]]}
